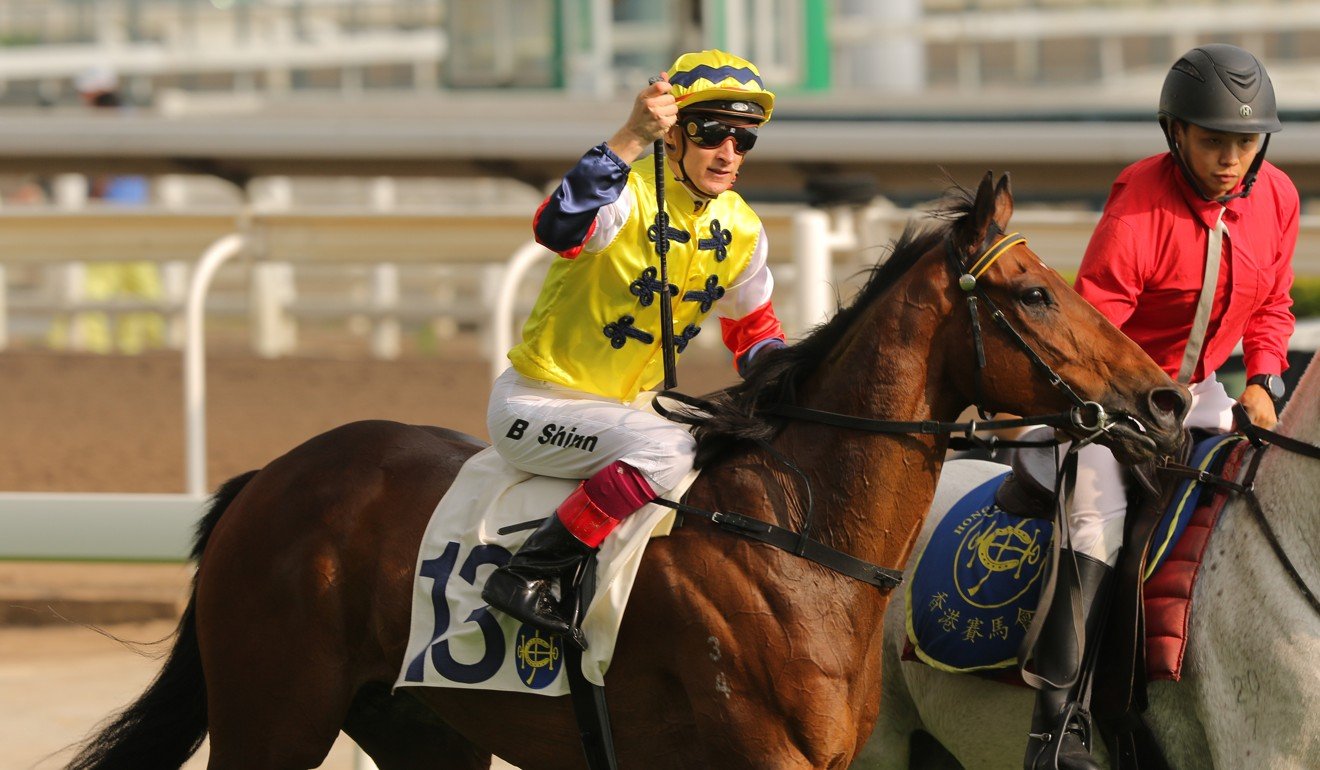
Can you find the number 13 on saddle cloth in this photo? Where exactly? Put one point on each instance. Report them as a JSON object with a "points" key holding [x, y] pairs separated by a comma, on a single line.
{"points": [[455, 640]]}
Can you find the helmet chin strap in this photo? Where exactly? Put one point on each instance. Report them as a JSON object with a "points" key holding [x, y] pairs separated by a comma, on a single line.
{"points": [[696, 192], [1248, 179]]}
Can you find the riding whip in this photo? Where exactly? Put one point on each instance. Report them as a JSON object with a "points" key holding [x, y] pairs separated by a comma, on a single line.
{"points": [[660, 234]]}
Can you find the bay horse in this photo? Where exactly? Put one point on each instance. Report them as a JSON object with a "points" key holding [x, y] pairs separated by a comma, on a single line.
{"points": [[1250, 683], [734, 655]]}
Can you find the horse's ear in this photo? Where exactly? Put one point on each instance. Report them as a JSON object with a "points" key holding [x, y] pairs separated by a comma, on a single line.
{"points": [[970, 231], [983, 211], [992, 208], [1003, 203]]}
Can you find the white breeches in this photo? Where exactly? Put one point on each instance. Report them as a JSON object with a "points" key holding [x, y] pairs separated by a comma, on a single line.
{"points": [[550, 430], [1099, 502]]}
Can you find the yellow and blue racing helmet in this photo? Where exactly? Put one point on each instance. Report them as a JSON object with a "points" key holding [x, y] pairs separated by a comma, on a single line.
{"points": [[718, 82]]}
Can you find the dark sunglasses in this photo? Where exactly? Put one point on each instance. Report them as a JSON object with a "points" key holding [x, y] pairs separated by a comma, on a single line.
{"points": [[708, 132]]}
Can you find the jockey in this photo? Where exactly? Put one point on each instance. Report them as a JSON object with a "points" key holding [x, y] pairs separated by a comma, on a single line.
{"points": [[1210, 211], [593, 340]]}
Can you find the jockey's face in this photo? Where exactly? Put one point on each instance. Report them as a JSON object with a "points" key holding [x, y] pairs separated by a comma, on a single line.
{"points": [[1218, 159], [712, 169]]}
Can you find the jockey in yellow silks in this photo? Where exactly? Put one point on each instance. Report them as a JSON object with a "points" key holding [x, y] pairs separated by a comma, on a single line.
{"points": [[594, 340]]}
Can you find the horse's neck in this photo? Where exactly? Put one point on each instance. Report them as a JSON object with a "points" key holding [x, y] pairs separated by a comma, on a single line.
{"points": [[1287, 483], [872, 490]]}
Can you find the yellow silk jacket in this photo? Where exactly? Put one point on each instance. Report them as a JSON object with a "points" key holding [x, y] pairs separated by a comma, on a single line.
{"points": [[596, 324]]}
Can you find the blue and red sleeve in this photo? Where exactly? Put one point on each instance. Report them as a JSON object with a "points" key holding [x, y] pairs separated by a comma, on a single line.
{"points": [[567, 218], [751, 334]]}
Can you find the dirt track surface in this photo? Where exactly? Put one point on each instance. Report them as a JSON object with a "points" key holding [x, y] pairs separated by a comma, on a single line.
{"points": [[115, 424]]}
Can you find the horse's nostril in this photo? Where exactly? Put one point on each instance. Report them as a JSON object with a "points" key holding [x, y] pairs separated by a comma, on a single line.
{"points": [[1170, 401]]}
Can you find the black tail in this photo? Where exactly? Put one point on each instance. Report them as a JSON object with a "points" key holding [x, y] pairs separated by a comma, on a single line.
{"points": [[166, 724]]}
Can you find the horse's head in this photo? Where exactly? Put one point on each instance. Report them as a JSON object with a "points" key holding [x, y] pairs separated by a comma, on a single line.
{"points": [[1044, 346], [906, 348]]}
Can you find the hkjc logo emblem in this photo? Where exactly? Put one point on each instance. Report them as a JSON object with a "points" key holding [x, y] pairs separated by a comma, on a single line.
{"points": [[996, 565], [538, 658]]}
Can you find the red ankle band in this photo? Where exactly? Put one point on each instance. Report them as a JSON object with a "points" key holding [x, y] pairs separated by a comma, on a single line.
{"points": [[598, 504], [584, 518]]}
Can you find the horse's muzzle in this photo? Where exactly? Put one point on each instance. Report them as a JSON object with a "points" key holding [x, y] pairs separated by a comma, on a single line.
{"points": [[1156, 430]]}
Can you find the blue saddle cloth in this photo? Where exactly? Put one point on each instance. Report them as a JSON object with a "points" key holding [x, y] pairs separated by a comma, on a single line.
{"points": [[977, 582]]}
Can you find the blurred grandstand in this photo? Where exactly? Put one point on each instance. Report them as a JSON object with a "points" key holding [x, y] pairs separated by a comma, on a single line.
{"points": [[1061, 90], [453, 107]]}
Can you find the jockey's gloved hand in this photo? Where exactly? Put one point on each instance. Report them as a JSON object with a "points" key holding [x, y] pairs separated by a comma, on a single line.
{"points": [[745, 360]]}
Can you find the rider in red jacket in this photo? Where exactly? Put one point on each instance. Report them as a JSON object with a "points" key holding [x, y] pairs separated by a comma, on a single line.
{"points": [[1209, 213]]}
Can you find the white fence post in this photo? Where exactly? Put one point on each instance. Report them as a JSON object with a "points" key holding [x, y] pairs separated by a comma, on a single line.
{"points": [[817, 234], [194, 359], [502, 338], [274, 332], [811, 257], [385, 328]]}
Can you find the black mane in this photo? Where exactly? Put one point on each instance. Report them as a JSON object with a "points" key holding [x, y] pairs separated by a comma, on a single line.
{"points": [[775, 376]]}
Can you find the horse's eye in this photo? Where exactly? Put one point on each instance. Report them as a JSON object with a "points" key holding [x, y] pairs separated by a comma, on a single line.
{"points": [[1034, 296]]}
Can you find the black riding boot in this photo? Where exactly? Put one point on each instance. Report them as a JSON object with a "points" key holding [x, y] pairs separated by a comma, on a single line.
{"points": [[1060, 730], [523, 588]]}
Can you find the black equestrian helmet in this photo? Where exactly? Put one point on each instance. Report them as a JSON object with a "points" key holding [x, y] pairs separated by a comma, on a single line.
{"points": [[1220, 87]]}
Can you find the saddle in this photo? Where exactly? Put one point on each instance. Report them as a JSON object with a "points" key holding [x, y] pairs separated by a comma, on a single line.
{"points": [[1028, 491], [1119, 695]]}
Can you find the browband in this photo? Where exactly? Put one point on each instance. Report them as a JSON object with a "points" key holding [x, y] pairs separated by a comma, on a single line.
{"points": [[995, 252]]}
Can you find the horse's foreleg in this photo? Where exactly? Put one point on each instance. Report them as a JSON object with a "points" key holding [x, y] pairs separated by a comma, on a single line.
{"points": [[890, 741]]}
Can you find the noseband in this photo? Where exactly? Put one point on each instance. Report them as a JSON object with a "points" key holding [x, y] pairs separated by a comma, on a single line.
{"points": [[1087, 416]]}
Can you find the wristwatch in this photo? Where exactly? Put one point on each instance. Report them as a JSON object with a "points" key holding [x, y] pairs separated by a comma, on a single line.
{"points": [[1272, 383]]}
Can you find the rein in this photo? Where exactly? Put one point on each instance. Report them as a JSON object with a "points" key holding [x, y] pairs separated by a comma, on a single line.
{"points": [[1262, 439], [797, 543], [1088, 417]]}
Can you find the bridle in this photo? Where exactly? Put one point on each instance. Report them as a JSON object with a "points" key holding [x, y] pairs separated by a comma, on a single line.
{"points": [[968, 281], [1086, 417]]}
